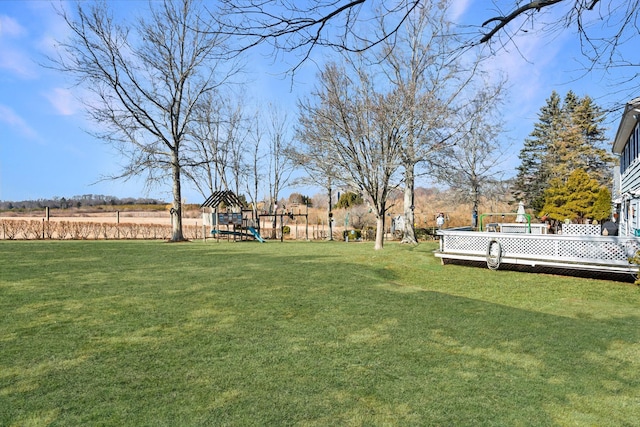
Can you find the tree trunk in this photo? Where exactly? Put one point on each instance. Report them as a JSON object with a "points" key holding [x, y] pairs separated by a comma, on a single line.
{"points": [[474, 210], [274, 223], [409, 232], [379, 231], [330, 215], [176, 210]]}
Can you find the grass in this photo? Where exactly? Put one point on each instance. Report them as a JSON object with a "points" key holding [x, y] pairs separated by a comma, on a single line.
{"points": [[306, 334]]}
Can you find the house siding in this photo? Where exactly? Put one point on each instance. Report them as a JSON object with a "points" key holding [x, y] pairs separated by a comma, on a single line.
{"points": [[627, 146]]}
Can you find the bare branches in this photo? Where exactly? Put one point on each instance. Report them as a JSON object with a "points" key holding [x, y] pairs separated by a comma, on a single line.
{"points": [[146, 80], [289, 27], [355, 128], [606, 30], [503, 21]]}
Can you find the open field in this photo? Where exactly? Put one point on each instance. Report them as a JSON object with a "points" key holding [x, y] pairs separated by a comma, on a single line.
{"points": [[305, 333]]}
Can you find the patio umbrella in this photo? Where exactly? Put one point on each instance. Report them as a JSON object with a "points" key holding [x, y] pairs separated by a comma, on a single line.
{"points": [[520, 217]]}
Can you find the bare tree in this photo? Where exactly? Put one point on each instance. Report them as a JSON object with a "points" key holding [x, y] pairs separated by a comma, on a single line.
{"points": [[280, 167], [220, 135], [360, 128], [321, 172], [254, 162], [433, 87], [146, 79], [206, 175], [313, 155], [470, 167]]}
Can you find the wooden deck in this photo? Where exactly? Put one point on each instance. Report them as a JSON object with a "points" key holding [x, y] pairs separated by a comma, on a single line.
{"points": [[541, 252]]}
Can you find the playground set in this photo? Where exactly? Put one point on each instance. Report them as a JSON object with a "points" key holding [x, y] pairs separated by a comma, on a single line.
{"points": [[239, 224]]}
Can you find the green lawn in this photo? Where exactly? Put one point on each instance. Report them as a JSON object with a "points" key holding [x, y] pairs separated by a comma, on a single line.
{"points": [[307, 334]]}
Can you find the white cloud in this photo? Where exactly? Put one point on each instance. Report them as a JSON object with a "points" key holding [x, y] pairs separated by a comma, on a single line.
{"points": [[13, 55], [458, 8], [63, 101], [54, 30], [8, 116], [17, 62], [9, 27]]}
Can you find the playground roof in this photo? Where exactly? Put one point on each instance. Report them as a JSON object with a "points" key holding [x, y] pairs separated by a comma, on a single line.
{"points": [[228, 197]]}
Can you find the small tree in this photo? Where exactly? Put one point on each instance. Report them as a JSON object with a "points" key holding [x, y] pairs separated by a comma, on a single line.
{"points": [[348, 200], [573, 199], [601, 210], [299, 199]]}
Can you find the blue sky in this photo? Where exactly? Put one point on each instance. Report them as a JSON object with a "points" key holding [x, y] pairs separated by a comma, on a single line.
{"points": [[45, 151]]}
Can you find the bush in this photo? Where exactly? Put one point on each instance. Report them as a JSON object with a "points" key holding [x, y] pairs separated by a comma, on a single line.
{"points": [[352, 234], [426, 233], [348, 200]]}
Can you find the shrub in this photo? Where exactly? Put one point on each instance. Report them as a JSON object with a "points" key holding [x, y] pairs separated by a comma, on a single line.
{"points": [[426, 233], [352, 234], [348, 200], [635, 259]]}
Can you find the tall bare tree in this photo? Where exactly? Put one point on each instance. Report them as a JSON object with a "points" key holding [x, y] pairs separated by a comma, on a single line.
{"points": [[280, 167], [313, 155], [146, 79], [254, 161], [471, 166], [220, 135], [360, 127], [434, 88], [206, 175]]}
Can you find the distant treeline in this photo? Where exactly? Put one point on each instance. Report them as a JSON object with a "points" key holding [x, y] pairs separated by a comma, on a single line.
{"points": [[87, 200]]}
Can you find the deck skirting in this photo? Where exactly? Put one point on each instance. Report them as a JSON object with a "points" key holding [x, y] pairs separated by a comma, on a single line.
{"points": [[567, 252]]}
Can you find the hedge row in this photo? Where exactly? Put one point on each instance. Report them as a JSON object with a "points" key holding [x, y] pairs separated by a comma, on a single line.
{"points": [[76, 230]]}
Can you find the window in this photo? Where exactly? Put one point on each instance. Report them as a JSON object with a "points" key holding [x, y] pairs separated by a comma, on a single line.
{"points": [[627, 159]]}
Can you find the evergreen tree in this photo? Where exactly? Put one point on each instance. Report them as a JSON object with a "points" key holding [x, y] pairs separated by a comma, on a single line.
{"points": [[568, 136], [594, 157], [601, 210], [572, 199], [533, 174], [348, 200]]}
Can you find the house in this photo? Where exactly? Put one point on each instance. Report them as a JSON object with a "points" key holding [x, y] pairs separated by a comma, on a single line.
{"points": [[626, 193]]}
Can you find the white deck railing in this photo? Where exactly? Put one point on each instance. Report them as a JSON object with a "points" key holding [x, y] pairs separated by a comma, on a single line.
{"points": [[600, 253], [511, 227]]}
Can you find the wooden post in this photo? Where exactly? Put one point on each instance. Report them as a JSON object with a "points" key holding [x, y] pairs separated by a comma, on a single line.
{"points": [[46, 217]]}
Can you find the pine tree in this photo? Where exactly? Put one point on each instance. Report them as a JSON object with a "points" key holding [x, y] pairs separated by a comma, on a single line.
{"points": [[601, 210], [572, 199], [594, 157], [568, 136], [533, 173]]}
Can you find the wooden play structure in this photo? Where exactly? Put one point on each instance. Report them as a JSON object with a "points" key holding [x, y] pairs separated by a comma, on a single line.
{"points": [[228, 220]]}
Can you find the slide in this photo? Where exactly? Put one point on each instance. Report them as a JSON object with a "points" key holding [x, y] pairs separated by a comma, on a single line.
{"points": [[256, 234]]}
